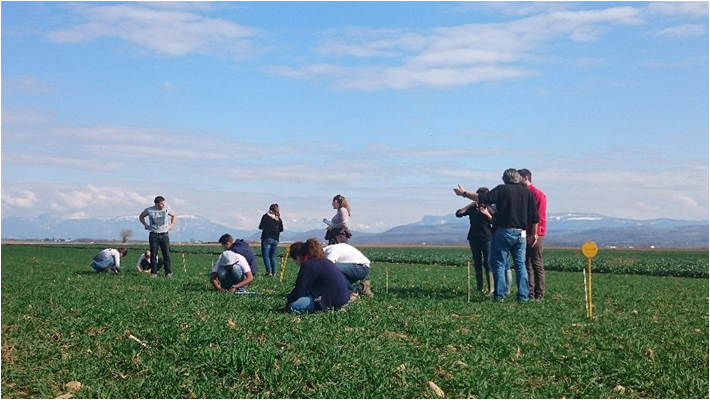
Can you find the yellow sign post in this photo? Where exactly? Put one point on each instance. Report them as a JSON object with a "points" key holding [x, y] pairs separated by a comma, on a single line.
{"points": [[589, 249], [283, 263]]}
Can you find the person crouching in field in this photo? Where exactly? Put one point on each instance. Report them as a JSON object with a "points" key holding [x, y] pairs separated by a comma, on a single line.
{"points": [[353, 264], [231, 273], [143, 264], [241, 247], [109, 259], [319, 285]]}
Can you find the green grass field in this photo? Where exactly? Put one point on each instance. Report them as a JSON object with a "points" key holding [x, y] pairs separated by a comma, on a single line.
{"points": [[129, 336]]}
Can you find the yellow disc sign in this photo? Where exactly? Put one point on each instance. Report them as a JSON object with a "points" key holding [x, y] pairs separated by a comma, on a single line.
{"points": [[589, 249]]}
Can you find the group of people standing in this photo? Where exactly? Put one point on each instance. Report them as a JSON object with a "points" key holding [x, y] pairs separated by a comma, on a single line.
{"points": [[508, 220]]}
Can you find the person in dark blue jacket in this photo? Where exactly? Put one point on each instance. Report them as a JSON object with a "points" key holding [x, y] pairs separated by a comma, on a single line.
{"points": [[240, 246], [320, 285], [271, 226]]}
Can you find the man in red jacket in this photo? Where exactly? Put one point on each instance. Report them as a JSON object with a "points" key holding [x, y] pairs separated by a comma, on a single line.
{"points": [[533, 253]]}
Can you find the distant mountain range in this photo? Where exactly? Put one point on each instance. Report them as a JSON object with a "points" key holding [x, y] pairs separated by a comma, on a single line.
{"points": [[563, 229]]}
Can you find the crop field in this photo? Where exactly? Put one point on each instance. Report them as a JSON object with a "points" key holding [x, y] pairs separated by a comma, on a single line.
{"points": [[68, 331]]}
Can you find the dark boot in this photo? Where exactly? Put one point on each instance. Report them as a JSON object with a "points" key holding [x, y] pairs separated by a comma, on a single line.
{"points": [[479, 280]]}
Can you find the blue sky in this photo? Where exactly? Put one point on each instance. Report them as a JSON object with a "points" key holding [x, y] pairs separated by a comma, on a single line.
{"points": [[224, 108]]}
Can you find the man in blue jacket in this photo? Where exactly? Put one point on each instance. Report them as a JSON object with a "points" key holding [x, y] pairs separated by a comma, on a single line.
{"points": [[240, 246]]}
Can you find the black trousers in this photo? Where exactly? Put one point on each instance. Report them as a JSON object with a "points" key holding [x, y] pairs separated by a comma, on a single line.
{"points": [[162, 241]]}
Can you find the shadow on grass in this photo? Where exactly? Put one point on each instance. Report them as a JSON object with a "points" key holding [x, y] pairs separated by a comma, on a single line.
{"points": [[418, 293], [94, 273]]}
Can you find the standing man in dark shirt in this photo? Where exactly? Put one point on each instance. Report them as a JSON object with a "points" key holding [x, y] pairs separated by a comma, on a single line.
{"points": [[516, 213]]}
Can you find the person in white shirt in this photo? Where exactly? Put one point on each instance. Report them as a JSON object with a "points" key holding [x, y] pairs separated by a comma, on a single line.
{"points": [[231, 273], [109, 259], [143, 264], [353, 264]]}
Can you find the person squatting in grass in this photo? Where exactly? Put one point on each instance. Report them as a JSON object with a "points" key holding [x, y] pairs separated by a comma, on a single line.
{"points": [[271, 226], [159, 227], [319, 284], [241, 247], [231, 273], [109, 259], [354, 266], [338, 230], [516, 213], [479, 239], [143, 264]]}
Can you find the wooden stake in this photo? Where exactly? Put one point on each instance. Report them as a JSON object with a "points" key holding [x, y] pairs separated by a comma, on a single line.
{"points": [[468, 280], [387, 280], [184, 267]]}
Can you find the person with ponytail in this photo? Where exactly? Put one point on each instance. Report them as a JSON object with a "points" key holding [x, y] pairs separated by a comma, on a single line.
{"points": [[271, 227], [320, 285], [338, 230]]}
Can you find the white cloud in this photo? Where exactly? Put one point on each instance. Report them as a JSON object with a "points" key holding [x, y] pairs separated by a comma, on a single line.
{"points": [[697, 9], [25, 84], [25, 116], [20, 198], [683, 31], [174, 31], [515, 8], [447, 57]]}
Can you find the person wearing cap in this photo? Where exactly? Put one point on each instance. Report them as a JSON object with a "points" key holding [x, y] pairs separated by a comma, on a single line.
{"points": [[109, 259], [231, 273]]}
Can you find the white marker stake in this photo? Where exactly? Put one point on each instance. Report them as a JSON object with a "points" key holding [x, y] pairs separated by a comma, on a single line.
{"points": [[184, 267]]}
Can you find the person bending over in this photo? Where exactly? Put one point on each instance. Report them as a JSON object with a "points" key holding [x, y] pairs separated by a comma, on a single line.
{"points": [[231, 273], [353, 264], [319, 285], [109, 259]]}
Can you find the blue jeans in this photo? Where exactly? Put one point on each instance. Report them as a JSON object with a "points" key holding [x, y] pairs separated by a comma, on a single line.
{"points": [[100, 266], [268, 251], [230, 276], [353, 272], [509, 241], [162, 241], [304, 305]]}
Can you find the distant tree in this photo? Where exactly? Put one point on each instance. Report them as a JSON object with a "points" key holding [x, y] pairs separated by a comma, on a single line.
{"points": [[126, 234]]}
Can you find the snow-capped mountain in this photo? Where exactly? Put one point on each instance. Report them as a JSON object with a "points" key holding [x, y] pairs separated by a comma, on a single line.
{"points": [[563, 229]]}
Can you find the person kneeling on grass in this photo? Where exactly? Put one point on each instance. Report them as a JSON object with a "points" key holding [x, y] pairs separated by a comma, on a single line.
{"points": [[109, 259], [143, 264], [319, 285], [231, 273]]}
